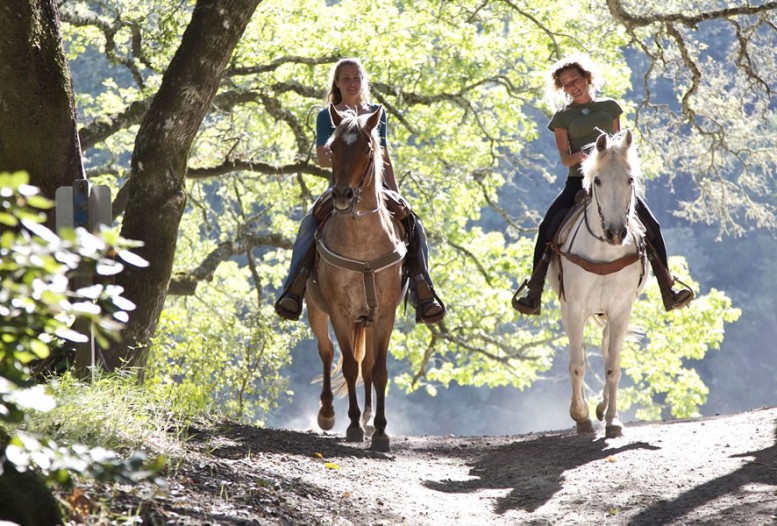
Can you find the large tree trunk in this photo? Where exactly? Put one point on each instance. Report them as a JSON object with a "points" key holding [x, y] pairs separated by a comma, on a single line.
{"points": [[156, 187], [37, 108]]}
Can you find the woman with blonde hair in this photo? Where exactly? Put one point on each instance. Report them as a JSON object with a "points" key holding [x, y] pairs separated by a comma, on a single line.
{"points": [[576, 126], [349, 90]]}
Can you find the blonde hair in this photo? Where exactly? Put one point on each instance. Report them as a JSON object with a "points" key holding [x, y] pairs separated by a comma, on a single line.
{"points": [[334, 95], [587, 69]]}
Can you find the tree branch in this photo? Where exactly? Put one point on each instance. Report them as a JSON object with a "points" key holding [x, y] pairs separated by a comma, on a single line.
{"points": [[185, 283]]}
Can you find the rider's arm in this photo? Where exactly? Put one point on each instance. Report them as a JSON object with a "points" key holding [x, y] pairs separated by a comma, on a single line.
{"points": [[324, 155], [562, 143]]}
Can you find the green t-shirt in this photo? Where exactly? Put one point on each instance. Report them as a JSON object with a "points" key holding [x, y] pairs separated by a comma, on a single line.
{"points": [[584, 123]]}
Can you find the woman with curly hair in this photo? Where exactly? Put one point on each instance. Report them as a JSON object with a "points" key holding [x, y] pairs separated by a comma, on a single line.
{"points": [[576, 125]]}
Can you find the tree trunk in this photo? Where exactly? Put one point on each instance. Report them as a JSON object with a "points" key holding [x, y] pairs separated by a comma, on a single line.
{"points": [[156, 186], [37, 108]]}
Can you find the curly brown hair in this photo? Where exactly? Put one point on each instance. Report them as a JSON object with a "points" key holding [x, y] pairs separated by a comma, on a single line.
{"points": [[583, 65]]}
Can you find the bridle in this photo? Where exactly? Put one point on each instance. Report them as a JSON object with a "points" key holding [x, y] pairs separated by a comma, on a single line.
{"points": [[369, 171], [595, 199]]}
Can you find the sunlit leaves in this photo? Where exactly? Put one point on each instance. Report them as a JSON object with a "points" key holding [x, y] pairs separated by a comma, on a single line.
{"points": [[43, 287], [463, 85]]}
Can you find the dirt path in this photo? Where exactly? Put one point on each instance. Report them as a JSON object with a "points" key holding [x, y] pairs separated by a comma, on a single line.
{"points": [[712, 471]]}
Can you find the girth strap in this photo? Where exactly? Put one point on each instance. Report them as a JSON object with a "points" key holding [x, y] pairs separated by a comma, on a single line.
{"points": [[366, 268]]}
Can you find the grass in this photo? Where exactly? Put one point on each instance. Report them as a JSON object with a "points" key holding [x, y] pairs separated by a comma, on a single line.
{"points": [[113, 411]]}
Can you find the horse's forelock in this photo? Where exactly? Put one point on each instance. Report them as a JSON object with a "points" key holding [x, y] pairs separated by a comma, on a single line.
{"points": [[617, 151]]}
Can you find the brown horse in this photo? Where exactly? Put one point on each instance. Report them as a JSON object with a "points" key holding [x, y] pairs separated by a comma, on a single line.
{"points": [[357, 279]]}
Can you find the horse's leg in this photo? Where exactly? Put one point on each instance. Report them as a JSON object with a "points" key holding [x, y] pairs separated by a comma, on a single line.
{"points": [[602, 406], [574, 323], [367, 365], [380, 440], [319, 325], [349, 339], [612, 371]]}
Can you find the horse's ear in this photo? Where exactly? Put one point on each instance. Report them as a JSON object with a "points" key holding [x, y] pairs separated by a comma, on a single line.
{"points": [[374, 118], [627, 139], [601, 142], [334, 115]]}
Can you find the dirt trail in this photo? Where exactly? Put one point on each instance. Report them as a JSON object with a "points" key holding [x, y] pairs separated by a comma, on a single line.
{"points": [[712, 471]]}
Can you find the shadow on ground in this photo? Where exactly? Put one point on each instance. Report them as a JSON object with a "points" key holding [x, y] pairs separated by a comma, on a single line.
{"points": [[532, 470]]}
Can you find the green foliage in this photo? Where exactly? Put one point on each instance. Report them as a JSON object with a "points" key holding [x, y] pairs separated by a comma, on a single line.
{"points": [[59, 464], [463, 86], [109, 413], [660, 367], [217, 351], [38, 308], [37, 303]]}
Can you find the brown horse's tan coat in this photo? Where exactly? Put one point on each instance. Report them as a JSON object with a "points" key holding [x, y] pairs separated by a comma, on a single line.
{"points": [[360, 229]]}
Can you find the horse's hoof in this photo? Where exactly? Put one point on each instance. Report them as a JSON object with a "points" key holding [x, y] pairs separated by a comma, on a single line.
{"points": [[366, 416], [613, 431], [369, 430], [381, 443], [585, 427], [326, 423], [354, 434]]}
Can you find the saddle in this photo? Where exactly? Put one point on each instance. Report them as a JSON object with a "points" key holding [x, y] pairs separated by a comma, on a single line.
{"points": [[563, 232], [396, 204], [568, 219]]}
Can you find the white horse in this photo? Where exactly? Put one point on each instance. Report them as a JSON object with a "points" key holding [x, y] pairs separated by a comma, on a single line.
{"points": [[600, 269]]}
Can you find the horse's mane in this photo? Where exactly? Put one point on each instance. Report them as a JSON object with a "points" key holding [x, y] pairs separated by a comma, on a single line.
{"points": [[353, 123]]}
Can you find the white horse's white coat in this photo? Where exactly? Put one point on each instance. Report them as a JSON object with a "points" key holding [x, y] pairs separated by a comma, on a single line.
{"points": [[608, 231]]}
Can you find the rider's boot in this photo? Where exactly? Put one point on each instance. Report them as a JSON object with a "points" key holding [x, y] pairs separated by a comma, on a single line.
{"points": [[531, 303], [289, 303], [673, 299], [430, 309]]}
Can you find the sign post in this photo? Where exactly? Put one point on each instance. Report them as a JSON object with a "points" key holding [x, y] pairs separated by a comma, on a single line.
{"points": [[86, 206]]}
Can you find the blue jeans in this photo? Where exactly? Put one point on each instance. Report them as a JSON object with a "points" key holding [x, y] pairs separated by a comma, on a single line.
{"points": [[302, 245]]}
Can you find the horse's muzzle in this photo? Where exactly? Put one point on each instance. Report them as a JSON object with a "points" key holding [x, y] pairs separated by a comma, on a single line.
{"points": [[616, 236], [344, 199]]}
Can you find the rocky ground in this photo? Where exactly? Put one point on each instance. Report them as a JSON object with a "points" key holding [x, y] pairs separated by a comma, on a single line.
{"points": [[712, 471]]}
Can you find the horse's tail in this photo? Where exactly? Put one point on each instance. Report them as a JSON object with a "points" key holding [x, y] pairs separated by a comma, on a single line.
{"points": [[358, 337], [634, 333]]}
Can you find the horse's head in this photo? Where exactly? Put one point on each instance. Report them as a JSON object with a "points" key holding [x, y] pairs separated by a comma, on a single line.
{"points": [[357, 161], [611, 177]]}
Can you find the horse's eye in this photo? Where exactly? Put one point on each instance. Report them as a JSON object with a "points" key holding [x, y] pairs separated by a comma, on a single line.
{"points": [[631, 181], [597, 182]]}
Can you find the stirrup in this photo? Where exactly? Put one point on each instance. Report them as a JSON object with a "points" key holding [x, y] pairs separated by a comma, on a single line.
{"points": [[681, 303], [433, 318], [522, 307], [284, 312]]}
